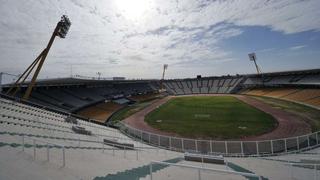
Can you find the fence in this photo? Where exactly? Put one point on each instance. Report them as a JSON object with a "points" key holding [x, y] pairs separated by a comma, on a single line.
{"points": [[227, 148], [47, 145]]}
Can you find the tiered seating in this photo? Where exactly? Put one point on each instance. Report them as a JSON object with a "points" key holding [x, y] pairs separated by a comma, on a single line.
{"points": [[100, 112], [195, 89], [144, 97], [34, 142], [280, 92], [304, 95], [314, 101], [258, 92], [74, 97], [307, 96], [202, 86]]}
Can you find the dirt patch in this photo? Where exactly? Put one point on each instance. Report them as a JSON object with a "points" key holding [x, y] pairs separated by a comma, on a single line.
{"points": [[289, 124]]}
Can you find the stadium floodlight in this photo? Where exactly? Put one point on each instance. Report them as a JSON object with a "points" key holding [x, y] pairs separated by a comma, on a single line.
{"points": [[253, 57], [61, 30], [63, 26], [165, 67]]}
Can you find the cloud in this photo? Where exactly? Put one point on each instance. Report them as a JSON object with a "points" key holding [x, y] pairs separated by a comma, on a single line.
{"points": [[294, 48], [179, 33]]}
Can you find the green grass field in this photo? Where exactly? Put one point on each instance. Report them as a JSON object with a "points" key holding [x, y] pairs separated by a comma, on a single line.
{"points": [[219, 117], [128, 111]]}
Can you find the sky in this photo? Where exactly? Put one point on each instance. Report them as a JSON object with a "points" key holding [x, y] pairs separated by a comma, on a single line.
{"points": [[134, 38]]}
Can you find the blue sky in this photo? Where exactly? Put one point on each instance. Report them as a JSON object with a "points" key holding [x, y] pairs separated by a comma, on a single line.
{"points": [[135, 38], [276, 51]]}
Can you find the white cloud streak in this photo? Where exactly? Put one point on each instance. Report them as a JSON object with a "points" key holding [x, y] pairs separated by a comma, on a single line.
{"points": [[180, 33]]}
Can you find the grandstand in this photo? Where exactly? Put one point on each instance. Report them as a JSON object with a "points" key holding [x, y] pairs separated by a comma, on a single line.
{"points": [[297, 86], [101, 111], [35, 134], [207, 85], [39, 144], [72, 94]]}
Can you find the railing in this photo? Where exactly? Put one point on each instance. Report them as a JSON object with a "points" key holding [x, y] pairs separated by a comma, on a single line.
{"points": [[35, 143], [315, 167], [199, 170], [48, 146], [227, 148]]}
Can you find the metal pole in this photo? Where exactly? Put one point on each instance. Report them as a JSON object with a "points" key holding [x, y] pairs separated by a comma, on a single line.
{"points": [[202, 160], [150, 168], [113, 149], [210, 146], [102, 147], [257, 147], [34, 149], [1, 73], [170, 143], [271, 146], [241, 144], [196, 144], [226, 147], [158, 141], [255, 63], [48, 152], [315, 172], [137, 155], [182, 145], [199, 174], [285, 145], [291, 171], [22, 143], [63, 157]]}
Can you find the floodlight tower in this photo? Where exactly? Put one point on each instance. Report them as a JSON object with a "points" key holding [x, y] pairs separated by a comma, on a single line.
{"points": [[61, 30], [99, 75], [1, 73], [165, 67], [253, 57]]}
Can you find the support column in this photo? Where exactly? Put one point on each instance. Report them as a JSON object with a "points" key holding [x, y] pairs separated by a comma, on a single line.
{"points": [[226, 147]]}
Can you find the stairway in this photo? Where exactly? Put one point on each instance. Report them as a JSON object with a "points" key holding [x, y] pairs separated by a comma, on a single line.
{"points": [[137, 173]]}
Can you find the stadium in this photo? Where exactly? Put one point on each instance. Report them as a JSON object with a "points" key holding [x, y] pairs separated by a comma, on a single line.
{"points": [[260, 125]]}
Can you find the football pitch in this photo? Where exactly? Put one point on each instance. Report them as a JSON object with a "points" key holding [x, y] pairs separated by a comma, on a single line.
{"points": [[218, 117]]}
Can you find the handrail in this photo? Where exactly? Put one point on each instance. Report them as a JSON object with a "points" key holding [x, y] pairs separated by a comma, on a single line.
{"points": [[205, 169], [60, 145], [257, 148], [47, 143], [176, 137]]}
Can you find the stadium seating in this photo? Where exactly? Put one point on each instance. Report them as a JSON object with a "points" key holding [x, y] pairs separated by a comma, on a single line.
{"points": [[222, 85], [75, 97], [40, 144], [306, 96], [101, 111]]}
